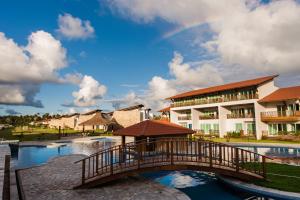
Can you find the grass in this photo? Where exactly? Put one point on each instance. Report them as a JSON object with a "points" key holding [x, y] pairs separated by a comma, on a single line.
{"points": [[237, 140], [282, 177], [38, 133]]}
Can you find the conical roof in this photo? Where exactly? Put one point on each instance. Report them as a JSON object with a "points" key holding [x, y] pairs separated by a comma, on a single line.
{"points": [[153, 128], [97, 119]]}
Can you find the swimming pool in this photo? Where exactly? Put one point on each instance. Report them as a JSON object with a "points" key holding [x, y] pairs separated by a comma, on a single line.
{"points": [[29, 156], [198, 185]]}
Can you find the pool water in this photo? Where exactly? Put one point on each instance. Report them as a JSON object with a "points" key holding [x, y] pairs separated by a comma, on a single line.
{"points": [[28, 156], [198, 185]]}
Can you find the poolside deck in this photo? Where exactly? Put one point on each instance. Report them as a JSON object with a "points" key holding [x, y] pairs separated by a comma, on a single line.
{"points": [[4, 150], [56, 179]]}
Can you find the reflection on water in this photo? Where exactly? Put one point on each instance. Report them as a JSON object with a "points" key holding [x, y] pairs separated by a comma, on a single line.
{"points": [[29, 156], [279, 154], [199, 185]]}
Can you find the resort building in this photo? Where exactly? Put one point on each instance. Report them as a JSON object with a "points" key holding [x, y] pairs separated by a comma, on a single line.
{"points": [[131, 115], [252, 107]]}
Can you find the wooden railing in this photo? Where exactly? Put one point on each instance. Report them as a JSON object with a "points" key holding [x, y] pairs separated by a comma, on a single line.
{"points": [[170, 152], [240, 115], [204, 117], [188, 117], [196, 101], [280, 116]]}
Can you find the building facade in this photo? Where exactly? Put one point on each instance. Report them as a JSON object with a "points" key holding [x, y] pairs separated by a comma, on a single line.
{"points": [[252, 107], [131, 115]]}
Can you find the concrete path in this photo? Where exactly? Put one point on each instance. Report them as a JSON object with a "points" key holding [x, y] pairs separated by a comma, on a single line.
{"points": [[56, 179], [4, 150]]}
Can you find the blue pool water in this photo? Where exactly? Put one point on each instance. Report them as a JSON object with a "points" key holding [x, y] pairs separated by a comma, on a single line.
{"points": [[198, 185], [28, 156]]}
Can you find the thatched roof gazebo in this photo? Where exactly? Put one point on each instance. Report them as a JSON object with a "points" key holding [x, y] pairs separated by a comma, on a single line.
{"points": [[97, 120], [152, 129]]}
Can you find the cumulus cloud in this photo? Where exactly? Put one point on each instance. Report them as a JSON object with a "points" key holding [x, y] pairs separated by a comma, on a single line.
{"points": [[24, 68], [12, 112], [259, 36], [184, 76], [74, 28], [90, 90], [37, 62]]}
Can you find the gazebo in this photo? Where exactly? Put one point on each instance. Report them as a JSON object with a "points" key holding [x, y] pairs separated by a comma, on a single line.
{"points": [[152, 130], [97, 120]]}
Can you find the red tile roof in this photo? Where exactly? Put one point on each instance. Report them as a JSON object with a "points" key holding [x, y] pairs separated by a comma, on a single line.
{"points": [[153, 128], [230, 86], [167, 109], [282, 94]]}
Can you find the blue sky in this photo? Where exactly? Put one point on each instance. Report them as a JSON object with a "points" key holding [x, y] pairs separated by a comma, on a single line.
{"points": [[131, 51]]}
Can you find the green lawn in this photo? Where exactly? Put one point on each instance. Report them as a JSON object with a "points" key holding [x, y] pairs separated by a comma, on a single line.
{"points": [[223, 140], [38, 133], [282, 177]]}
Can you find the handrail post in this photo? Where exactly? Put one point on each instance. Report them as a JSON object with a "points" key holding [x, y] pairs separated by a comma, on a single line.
{"points": [[83, 172], [139, 155], [220, 153], [237, 166], [172, 162], [264, 166], [210, 154], [199, 150], [111, 162], [97, 163]]}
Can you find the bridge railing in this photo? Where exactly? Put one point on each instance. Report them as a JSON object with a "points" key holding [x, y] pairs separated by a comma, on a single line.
{"points": [[171, 151]]}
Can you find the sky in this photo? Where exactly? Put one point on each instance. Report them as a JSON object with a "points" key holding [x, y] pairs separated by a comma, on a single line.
{"points": [[65, 56]]}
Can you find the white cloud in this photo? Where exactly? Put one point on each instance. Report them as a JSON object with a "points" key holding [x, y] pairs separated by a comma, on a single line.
{"points": [[260, 37], [184, 76], [15, 94], [74, 28], [37, 62], [90, 90], [24, 68]]}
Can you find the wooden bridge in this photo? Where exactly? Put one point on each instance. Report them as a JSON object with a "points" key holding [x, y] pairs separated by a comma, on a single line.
{"points": [[170, 154]]}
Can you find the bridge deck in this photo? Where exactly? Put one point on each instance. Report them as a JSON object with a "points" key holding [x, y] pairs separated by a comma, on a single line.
{"points": [[170, 154]]}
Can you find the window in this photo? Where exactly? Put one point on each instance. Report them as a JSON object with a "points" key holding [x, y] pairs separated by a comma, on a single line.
{"points": [[272, 129], [205, 127], [238, 127], [250, 128], [216, 127]]}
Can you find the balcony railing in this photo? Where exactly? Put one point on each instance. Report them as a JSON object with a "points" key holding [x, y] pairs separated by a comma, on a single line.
{"points": [[280, 116], [185, 117], [214, 100], [204, 117], [240, 115]]}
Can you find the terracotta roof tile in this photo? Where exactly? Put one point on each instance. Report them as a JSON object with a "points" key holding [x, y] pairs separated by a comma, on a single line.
{"points": [[230, 86], [154, 128], [282, 94], [167, 109]]}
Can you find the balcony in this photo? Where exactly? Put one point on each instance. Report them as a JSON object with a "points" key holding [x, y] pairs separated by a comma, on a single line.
{"points": [[240, 115], [288, 116], [206, 117], [193, 102], [188, 117]]}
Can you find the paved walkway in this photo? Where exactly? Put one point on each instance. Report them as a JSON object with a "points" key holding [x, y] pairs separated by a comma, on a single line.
{"points": [[4, 150], [56, 179]]}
